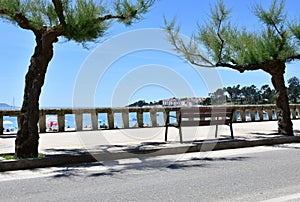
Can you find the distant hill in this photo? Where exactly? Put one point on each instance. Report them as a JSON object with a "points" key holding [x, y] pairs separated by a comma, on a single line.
{"points": [[5, 106], [142, 103]]}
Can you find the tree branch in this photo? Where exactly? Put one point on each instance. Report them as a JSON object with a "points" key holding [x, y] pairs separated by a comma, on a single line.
{"points": [[221, 39], [277, 30], [294, 57], [59, 11], [21, 19], [182, 48], [240, 68], [110, 16]]}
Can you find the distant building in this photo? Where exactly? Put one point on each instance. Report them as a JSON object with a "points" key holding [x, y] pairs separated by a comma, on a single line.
{"points": [[183, 101]]}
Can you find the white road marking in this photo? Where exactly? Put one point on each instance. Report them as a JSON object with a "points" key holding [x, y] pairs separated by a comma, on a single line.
{"points": [[284, 198]]}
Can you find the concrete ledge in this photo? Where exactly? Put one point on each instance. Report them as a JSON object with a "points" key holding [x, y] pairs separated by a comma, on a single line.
{"points": [[140, 151]]}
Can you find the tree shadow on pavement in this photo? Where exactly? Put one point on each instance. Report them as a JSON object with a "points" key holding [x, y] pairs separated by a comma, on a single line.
{"points": [[64, 151], [81, 150], [287, 146], [111, 168], [259, 135]]}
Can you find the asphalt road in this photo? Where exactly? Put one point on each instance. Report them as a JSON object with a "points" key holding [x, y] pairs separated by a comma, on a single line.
{"points": [[251, 174]]}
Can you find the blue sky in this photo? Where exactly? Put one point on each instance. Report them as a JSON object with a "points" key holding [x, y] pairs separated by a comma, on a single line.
{"points": [[127, 79]]}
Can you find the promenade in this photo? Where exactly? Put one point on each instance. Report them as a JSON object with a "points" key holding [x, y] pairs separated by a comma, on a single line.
{"points": [[89, 141]]}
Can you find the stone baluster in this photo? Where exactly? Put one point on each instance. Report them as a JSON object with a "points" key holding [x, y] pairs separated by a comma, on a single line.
{"points": [[94, 117], [270, 113], [111, 119], [153, 118], [260, 114], [61, 121], [140, 118], [252, 114], [42, 122], [243, 114], [78, 120], [293, 113], [125, 118]]}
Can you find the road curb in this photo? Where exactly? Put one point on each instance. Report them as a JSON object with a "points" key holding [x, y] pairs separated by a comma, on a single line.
{"points": [[140, 152]]}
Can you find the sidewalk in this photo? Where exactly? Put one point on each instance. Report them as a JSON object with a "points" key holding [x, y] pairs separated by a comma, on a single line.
{"points": [[100, 145]]}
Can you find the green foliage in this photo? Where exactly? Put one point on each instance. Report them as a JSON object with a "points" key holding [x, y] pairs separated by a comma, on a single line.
{"points": [[37, 12], [245, 95], [13, 157], [241, 49], [294, 89], [81, 21], [275, 16], [78, 20], [295, 29]]}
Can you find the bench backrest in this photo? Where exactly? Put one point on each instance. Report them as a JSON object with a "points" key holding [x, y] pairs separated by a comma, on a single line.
{"points": [[195, 116]]}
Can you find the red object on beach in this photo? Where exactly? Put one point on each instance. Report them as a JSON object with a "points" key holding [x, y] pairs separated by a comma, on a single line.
{"points": [[52, 123]]}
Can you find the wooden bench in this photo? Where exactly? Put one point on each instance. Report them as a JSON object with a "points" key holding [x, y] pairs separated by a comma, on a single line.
{"points": [[201, 116]]}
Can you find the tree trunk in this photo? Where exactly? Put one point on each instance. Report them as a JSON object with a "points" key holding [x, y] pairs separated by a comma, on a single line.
{"points": [[27, 141], [285, 125]]}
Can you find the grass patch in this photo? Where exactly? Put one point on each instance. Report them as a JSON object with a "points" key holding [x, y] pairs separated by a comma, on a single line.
{"points": [[13, 157]]}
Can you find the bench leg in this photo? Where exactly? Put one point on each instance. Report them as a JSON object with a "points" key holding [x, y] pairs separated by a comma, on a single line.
{"points": [[180, 134], [166, 134], [216, 133], [231, 131]]}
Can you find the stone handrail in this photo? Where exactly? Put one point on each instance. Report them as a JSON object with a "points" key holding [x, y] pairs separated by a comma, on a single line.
{"points": [[243, 113]]}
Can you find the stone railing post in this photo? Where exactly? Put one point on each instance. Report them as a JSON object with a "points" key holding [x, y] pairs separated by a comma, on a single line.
{"points": [[42, 121], [61, 121], [293, 112], [78, 120], [140, 118], [111, 119], [270, 113], [125, 118], [260, 114], [243, 114], [252, 114], [94, 117], [153, 118], [297, 111]]}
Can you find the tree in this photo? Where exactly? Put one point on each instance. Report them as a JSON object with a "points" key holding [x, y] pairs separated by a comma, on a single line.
{"points": [[81, 21], [294, 89], [250, 94], [228, 46], [229, 90], [218, 97], [237, 93], [267, 94]]}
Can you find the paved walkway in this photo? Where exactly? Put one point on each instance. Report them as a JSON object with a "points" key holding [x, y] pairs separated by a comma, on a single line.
{"points": [[68, 142]]}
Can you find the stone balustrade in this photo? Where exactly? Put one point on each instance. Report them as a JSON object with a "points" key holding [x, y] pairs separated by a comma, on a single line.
{"points": [[243, 113]]}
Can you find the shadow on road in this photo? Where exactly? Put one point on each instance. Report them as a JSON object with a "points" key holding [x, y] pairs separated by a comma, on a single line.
{"points": [[112, 168]]}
